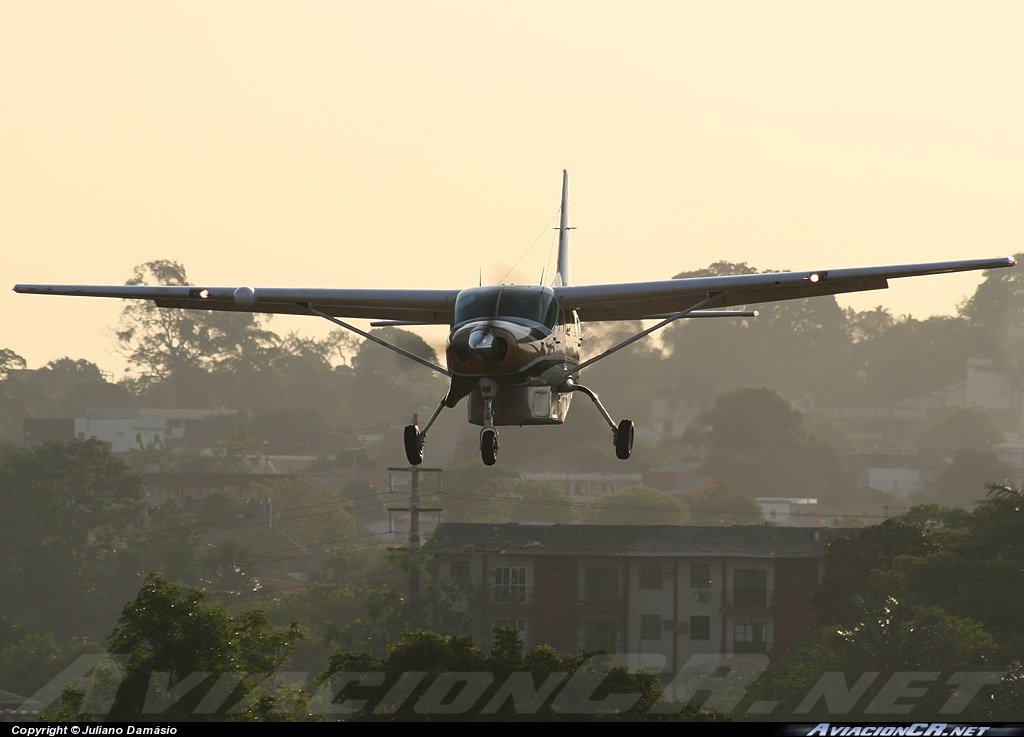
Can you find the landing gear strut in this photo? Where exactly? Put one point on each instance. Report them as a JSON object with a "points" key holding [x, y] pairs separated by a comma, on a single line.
{"points": [[415, 438], [488, 436], [622, 434]]}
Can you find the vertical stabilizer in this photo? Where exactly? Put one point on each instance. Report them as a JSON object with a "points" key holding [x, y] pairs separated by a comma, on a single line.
{"points": [[562, 273]]}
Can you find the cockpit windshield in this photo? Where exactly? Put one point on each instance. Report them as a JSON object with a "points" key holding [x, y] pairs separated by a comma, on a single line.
{"points": [[536, 304]]}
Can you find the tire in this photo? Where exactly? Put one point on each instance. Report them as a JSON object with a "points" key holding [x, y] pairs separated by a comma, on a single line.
{"points": [[413, 445], [624, 440], [489, 447]]}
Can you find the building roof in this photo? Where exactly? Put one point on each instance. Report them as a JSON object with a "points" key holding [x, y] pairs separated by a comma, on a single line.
{"points": [[637, 541]]}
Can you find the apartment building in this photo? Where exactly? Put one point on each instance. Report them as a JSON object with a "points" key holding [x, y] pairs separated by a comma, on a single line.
{"points": [[673, 591]]}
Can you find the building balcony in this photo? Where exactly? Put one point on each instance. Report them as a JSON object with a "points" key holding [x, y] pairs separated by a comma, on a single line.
{"points": [[513, 594], [748, 599]]}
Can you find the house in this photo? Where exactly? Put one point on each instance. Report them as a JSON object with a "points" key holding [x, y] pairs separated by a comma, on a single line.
{"points": [[903, 474], [588, 487], [789, 510], [667, 590], [122, 429]]}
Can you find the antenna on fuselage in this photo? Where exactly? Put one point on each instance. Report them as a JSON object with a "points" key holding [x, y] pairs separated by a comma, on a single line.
{"points": [[562, 272]]}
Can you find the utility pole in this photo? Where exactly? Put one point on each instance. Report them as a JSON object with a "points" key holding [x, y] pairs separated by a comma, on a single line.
{"points": [[413, 548]]}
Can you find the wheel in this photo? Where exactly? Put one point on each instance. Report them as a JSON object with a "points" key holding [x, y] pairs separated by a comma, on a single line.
{"points": [[413, 445], [624, 439], [489, 446]]}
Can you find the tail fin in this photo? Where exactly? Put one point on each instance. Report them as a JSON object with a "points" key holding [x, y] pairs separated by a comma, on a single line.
{"points": [[562, 273]]}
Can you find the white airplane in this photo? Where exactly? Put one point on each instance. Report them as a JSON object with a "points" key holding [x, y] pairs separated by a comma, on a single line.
{"points": [[514, 350]]}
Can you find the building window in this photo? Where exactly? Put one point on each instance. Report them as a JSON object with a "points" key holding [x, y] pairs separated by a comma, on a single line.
{"points": [[650, 626], [601, 634], [650, 576], [700, 575], [749, 637], [509, 585], [460, 569], [750, 587], [601, 586], [516, 624], [700, 627]]}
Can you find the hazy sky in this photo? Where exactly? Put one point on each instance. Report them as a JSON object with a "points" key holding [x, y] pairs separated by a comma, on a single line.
{"points": [[335, 144]]}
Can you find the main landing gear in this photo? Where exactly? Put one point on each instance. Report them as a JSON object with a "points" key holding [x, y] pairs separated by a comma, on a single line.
{"points": [[414, 437], [414, 441], [623, 437], [622, 434]]}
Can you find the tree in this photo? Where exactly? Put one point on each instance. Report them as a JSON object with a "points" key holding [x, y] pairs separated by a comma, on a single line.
{"points": [[68, 507], [460, 681], [912, 358], [963, 481], [313, 514], [724, 505], [850, 562], [474, 492], [388, 386], [982, 559], [10, 361], [178, 348], [640, 505], [994, 314], [169, 633], [756, 441], [967, 429], [887, 641]]}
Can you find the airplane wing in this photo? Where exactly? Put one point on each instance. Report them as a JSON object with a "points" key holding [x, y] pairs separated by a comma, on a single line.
{"points": [[406, 306], [596, 302], [660, 299]]}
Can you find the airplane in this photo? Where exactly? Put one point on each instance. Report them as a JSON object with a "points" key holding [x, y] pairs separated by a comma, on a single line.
{"points": [[515, 350]]}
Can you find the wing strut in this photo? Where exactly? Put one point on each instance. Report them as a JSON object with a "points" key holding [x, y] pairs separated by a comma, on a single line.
{"points": [[644, 333], [429, 364]]}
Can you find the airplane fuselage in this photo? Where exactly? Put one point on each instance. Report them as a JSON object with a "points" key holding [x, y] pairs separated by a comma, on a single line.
{"points": [[515, 345]]}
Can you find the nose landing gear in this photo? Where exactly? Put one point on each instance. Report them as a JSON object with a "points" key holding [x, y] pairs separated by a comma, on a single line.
{"points": [[489, 446], [488, 436]]}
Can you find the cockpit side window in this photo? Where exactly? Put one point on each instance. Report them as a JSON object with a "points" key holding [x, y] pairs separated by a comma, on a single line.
{"points": [[476, 304]]}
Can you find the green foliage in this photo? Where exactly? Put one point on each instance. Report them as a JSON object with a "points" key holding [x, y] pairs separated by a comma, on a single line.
{"points": [[172, 632], [722, 504], [68, 510], [886, 641], [968, 429], [447, 677], [756, 441], [477, 493], [850, 562], [170, 346], [936, 590], [10, 361], [962, 482], [639, 505]]}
